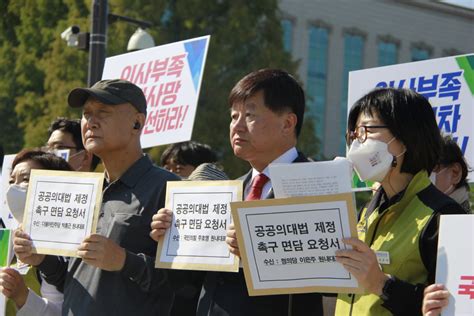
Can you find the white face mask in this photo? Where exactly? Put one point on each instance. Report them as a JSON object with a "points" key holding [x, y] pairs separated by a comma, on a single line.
{"points": [[433, 176], [371, 159], [16, 199]]}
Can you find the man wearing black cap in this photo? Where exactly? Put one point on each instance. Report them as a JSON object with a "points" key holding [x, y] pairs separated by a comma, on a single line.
{"points": [[115, 273]]}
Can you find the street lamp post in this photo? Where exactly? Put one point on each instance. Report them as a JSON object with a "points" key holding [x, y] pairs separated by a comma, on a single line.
{"points": [[98, 41], [98, 38]]}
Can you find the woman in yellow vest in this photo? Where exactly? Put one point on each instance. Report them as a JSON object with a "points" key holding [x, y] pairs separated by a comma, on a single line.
{"points": [[394, 139]]}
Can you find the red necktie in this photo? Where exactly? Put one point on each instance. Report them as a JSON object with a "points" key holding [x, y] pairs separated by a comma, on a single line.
{"points": [[257, 186]]}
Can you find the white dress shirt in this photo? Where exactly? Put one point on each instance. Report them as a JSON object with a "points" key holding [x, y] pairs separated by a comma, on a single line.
{"points": [[287, 157]]}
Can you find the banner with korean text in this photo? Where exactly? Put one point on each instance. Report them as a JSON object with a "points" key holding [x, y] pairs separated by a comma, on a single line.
{"points": [[201, 216], [62, 209], [170, 77], [288, 245], [448, 84], [455, 263]]}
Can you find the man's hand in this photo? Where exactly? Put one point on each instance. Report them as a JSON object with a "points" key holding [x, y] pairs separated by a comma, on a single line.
{"points": [[23, 247], [434, 300], [231, 240], [102, 252], [13, 286], [362, 262], [161, 221]]}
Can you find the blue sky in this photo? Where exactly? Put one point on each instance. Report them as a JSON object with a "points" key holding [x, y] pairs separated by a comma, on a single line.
{"points": [[463, 3]]}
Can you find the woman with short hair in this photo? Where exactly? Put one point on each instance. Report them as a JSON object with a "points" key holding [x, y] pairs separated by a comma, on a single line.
{"points": [[394, 139]]}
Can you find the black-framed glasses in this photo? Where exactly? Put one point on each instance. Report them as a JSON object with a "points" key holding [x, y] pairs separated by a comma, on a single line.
{"points": [[360, 133]]}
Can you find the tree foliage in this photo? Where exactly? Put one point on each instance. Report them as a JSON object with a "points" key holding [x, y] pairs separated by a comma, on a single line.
{"points": [[39, 69]]}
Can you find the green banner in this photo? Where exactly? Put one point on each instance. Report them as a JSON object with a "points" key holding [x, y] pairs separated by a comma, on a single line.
{"points": [[5, 236]]}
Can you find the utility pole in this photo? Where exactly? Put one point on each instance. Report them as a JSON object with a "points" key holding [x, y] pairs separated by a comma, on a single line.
{"points": [[98, 41]]}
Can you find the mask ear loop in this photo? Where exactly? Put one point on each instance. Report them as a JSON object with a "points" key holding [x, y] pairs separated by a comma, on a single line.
{"points": [[394, 163], [449, 190], [394, 159]]}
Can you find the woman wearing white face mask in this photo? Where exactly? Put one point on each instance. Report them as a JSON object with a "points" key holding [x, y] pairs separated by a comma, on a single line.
{"points": [[450, 174], [28, 294], [394, 140]]}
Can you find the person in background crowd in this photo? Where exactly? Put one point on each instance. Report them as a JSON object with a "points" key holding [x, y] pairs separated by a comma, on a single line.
{"points": [[450, 175], [267, 110], [29, 295], [394, 140], [183, 158], [66, 134], [115, 273]]}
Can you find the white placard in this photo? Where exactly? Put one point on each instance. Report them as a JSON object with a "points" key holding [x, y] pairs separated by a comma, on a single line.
{"points": [[62, 209], [170, 77], [455, 263], [5, 213], [201, 215], [288, 245], [448, 83], [311, 178]]}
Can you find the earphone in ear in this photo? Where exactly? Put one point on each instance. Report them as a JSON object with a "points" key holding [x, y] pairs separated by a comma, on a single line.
{"points": [[136, 125]]}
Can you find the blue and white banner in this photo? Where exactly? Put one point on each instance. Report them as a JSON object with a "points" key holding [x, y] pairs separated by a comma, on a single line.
{"points": [[448, 83]]}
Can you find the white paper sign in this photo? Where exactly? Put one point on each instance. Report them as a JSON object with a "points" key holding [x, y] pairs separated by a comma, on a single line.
{"points": [[289, 245], [311, 178], [201, 215], [5, 213], [447, 82], [62, 209], [170, 77], [455, 264]]}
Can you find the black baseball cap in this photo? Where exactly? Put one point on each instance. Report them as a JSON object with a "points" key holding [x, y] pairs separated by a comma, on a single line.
{"points": [[112, 92]]}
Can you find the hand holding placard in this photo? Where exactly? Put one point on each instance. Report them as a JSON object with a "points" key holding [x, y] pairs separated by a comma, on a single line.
{"points": [[23, 247], [161, 221], [362, 262], [101, 252], [231, 240], [193, 235], [435, 298]]}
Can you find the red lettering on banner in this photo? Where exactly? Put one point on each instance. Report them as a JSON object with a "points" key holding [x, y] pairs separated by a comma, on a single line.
{"points": [[140, 74], [467, 289], [125, 75], [164, 119], [164, 94]]}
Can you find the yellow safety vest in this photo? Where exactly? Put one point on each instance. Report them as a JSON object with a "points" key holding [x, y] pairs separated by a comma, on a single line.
{"points": [[397, 231]]}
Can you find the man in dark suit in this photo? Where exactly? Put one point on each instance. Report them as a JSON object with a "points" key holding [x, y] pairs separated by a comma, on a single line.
{"points": [[267, 110]]}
